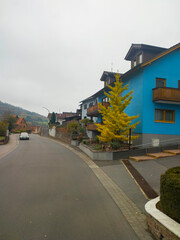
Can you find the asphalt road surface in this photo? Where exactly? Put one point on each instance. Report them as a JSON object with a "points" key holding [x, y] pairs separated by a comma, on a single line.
{"points": [[48, 192]]}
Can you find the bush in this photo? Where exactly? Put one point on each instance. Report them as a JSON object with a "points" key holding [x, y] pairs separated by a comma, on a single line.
{"points": [[86, 142], [170, 193], [60, 126], [98, 147], [80, 137], [97, 140], [3, 128], [85, 121], [115, 145], [82, 130], [73, 127]]}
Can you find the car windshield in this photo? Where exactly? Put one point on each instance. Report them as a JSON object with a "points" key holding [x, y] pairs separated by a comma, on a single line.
{"points": [[24, 134]]}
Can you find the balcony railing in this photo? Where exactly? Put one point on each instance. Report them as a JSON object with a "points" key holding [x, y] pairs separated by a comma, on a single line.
{"points": [[171, 95], [91, 127], [94, 110]]}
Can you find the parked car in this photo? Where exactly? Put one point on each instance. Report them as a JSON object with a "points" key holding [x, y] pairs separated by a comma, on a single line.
{"points": [[24, 136]]}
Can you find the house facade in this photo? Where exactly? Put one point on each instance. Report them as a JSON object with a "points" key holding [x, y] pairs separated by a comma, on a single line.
{"points": [[156, 98], [154, 78], [20, 124], [64, 117]]}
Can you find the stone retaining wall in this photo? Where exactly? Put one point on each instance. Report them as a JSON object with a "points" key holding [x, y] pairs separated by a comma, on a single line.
{"points": [[161, 226], [97, 155]]}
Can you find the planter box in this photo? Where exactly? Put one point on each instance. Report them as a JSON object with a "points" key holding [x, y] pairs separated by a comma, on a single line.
{"points": [[160, 225], [94, 155], [97, 155], [74, 143]]}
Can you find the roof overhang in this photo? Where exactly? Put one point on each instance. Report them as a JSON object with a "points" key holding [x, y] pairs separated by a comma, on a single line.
{"points": [[135, 48]]}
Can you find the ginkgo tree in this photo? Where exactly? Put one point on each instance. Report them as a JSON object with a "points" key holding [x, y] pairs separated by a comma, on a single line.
{"points": [[116, 123]]}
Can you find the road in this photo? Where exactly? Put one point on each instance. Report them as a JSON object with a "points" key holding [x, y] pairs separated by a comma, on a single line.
{"points": [[48, 192]]}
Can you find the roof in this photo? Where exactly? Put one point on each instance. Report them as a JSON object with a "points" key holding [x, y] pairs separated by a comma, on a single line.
{"points": [[103, 78], [19, 120], [108, 74], [66, 115], [62, 115], [137, 47], [158, 56], [138, 67], [169, 50]]}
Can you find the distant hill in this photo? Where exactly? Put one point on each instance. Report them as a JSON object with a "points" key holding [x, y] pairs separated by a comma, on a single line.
{"points": [[31, 118]]}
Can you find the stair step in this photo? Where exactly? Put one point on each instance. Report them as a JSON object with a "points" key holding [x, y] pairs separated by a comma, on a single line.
{"points": [[160, 155], [141, 158], [174, 151]]}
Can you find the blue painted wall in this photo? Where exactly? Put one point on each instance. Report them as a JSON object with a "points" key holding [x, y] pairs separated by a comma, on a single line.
{"points": [[142, 83], [135, 82], [166, 67], [100, 98]]}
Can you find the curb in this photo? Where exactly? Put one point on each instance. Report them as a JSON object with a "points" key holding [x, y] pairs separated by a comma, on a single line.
{"points": [[160, 224], [9, 148]]}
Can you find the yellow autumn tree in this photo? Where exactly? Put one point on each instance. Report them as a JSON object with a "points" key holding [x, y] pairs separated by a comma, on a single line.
{"points": [[116, 123]]}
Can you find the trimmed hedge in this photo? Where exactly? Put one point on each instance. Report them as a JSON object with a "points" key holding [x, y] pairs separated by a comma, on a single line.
{"points": [[170, 193]]}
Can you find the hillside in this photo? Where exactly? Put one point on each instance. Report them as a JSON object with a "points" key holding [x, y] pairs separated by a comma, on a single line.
{"points": [[31, 118]]}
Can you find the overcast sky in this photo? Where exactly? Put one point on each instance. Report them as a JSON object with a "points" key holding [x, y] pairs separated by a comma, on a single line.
{"points": [[53, 52]]}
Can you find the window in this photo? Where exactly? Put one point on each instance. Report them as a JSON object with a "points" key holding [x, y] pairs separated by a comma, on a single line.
{"points": [[140, 58], [91, 104], [134, 63], [105, 99], [160, 82], [85, 106], [163, 115]]}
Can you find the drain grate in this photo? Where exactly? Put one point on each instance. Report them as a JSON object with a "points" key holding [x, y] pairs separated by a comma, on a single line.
{"points": [[145, 187]]}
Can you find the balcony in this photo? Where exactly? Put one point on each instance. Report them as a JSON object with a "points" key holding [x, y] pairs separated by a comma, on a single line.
{"points": [[91, 127], [94, 110], [166, 95]]}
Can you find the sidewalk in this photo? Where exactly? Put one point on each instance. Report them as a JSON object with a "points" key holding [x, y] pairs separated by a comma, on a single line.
{"points": [[9, 147], [150, 170]]}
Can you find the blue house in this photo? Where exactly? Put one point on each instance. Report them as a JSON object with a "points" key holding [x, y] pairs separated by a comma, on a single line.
{"points": [[154, 78]]}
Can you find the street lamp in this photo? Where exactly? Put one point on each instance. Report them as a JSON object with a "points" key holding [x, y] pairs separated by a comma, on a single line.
{"points": [[46, 109]]}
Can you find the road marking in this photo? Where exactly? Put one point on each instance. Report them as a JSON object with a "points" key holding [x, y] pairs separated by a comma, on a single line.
{"points": [[133, 215]]}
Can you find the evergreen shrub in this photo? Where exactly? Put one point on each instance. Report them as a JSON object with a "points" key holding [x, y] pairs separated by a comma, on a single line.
{"points": [[98, 147], [115, 145], [170, 193], [86, 142]]}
